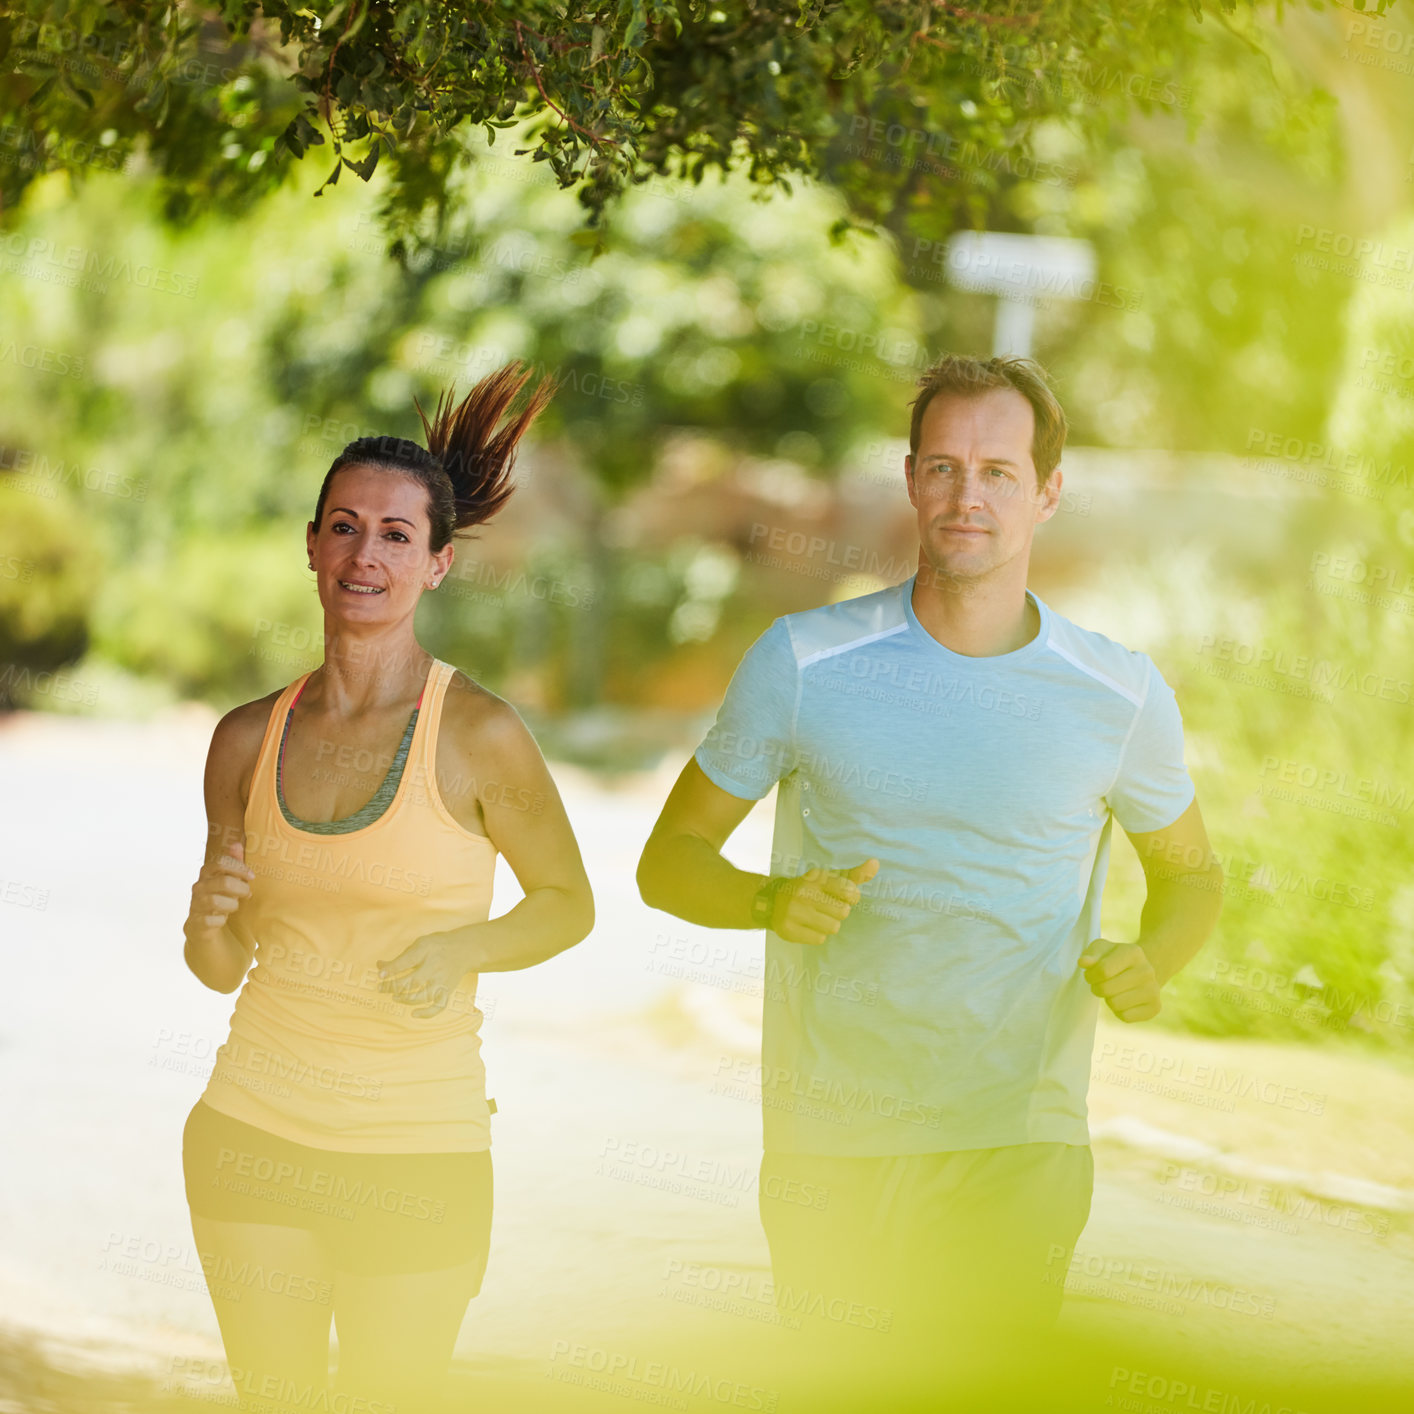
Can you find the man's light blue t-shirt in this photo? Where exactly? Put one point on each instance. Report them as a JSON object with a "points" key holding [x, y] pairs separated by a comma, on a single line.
{"points": [[948, 1012]]}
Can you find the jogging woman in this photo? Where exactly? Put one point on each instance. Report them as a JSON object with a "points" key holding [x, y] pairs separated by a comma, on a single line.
{"points": [[337, 1165]]}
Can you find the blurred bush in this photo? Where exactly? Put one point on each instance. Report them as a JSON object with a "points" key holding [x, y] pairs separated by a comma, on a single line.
{"points": [[226, 612], [1305, 757], [50, 572]]}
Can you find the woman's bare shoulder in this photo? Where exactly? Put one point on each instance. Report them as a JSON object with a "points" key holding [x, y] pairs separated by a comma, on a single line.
{"points": [[477, 719], [235, 742]]}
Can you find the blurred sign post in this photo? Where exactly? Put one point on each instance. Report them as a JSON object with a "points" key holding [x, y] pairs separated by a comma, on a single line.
{"points": [[1019, 270]]}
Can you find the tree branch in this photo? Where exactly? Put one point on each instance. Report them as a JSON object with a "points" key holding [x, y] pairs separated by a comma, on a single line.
{"points": [[595, 138]]}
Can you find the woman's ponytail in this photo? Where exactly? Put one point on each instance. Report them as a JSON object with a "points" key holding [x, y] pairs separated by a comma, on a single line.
{"points": [[466, 465], [464, 439]]}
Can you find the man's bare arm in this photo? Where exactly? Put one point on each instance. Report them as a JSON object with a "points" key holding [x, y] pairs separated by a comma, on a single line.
{"points": [[683, 873], [1184, 897], [1184, 892], [682, 870]]}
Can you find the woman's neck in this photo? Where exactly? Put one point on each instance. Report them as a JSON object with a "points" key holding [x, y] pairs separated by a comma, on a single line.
{"points": [[360, 675]]}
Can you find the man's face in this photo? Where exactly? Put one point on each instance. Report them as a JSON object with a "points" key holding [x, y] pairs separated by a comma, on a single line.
{"points": [[973, 483]]}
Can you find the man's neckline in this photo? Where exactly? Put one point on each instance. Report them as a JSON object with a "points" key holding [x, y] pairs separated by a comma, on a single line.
{"points": [[1028, 650]]}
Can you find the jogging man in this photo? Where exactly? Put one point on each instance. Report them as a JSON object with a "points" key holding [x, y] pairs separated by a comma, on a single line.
{"points": [[950, 753]]}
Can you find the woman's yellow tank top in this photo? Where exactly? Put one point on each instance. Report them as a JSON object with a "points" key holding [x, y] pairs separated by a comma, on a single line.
{"points": [[317, 1053]]}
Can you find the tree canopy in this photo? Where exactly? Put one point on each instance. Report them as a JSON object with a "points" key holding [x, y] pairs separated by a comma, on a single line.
{"points": [[915, 109]]}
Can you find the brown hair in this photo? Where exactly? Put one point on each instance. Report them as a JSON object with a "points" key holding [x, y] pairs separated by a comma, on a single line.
{"points": [[957, 373], [466, 465]]}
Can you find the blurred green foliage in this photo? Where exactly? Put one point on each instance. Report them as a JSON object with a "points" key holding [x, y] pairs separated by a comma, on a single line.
{"points": [[216, 372], [49, 579], [1299, 701], [223, 100]]}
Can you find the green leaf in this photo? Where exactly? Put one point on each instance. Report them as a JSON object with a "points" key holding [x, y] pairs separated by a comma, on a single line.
{"points": [[301, 135], [333, 178], [364, 165]]}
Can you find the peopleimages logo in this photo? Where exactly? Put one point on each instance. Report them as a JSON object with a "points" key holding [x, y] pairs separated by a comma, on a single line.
{"points": [[47, 475], [1183, 1395], [1319, 673], [42, 360], [1327, 780], [1118, 1273], [283, 1392], [1328, 241], [322, 865], [780, 1084], [935, 686], [42, 255], [238, 1063], [836, 775], [324, 1184], [835, 554], [1175, 1071], [630, 1374], [1322, 456]]}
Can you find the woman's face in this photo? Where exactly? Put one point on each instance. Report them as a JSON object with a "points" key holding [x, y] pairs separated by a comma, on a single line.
{"points": [[370, 552]]}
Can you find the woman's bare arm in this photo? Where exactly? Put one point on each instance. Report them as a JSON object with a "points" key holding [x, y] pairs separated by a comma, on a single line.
{"points": [[213, 952], [526, 821]]}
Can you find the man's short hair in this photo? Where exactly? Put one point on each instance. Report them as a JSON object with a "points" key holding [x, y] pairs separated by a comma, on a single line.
{"points": [[957, 373]]}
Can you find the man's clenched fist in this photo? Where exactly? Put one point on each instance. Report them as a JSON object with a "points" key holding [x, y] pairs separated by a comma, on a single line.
{"points": [[1122, 974], [811, 907]]}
